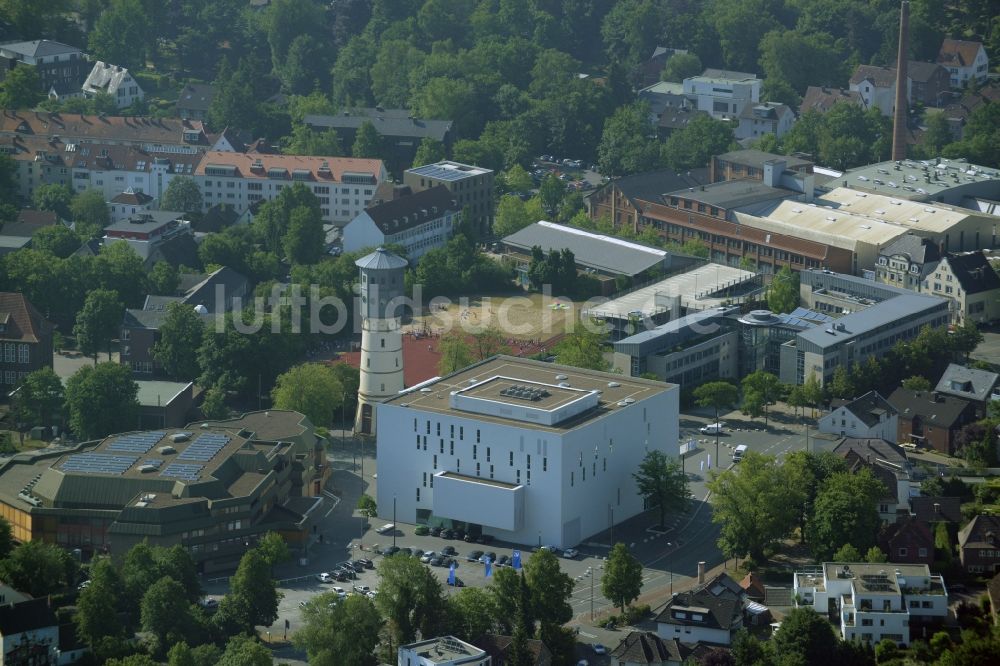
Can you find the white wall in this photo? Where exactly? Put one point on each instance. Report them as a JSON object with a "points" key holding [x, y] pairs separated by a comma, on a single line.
{"points": [[688, 634], [362, 232], [843, 423]]}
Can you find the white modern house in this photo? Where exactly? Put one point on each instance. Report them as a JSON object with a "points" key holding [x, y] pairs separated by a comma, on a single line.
{"points": [[115, 81], [418, 222], [722, 93], [442, 651], [756, 120], [526, 451], [867, 417], [874, 601]]}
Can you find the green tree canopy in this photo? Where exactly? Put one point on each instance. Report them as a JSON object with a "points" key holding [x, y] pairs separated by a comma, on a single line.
{"points": [[90, 213], [122, 34], [693, 146], [102, 399], [681, 66], [429, 151], [98, 322], [660, 480], [550, 588], [39, 399], [312, 389], [53, 197], [473, 612], [182, 195], [97, 606], [166, 613], [410, 598], [367, 141], [622, 580], [845, 512], [252, 599], [21, 88], [58, 240], [339, 632], [783, 296], [582, 349], [806, 637], [181, 335], [38, 568], [628, 142]]}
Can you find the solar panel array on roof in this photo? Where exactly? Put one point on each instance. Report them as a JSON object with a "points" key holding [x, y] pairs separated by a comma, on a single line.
{"points": [[182, 471], [98, 463], [139, 442], [204, 447]]}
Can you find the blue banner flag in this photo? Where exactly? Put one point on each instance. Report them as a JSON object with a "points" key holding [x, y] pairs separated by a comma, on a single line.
{"points": [[451, 574], [515, 560], [489, 567]]}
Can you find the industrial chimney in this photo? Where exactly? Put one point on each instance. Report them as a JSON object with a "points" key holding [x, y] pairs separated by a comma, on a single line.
{"points": [[902, 60]]}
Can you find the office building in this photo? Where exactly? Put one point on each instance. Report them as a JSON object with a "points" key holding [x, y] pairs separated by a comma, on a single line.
{"points": [[526, 451], [471, 187], [61, 68], [839, 294], [722, 93], [343, 185], [874, 602], [442, 651], [419, 222], [214, 488]]}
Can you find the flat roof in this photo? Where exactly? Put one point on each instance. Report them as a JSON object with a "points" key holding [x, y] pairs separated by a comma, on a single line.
{"points": [[863, 321], [909, 178], [913, 215], [158, 393], [694, 288], [478, 479], [545, 396], [733, 193], [757, 158], [146, 221], [448, 170], [825, 224], [435, 395], [597, 251]]}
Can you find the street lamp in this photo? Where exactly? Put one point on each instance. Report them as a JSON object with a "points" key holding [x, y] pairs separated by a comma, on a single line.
{"points": [[670, 566], [590, 573], [393, 521], [611, 511], [539, 538]]}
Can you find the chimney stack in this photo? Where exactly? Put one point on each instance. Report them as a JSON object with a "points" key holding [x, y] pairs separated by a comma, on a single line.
{"points": [[902, 60], [701, 572]]}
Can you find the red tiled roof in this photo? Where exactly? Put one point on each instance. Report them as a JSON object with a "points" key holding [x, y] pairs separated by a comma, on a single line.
{"points": [[958, 52], [245, 165], [168, 131], [23, 322]]}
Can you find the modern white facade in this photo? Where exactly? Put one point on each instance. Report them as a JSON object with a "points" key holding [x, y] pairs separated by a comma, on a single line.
{"points": [[873, 601], [723, 94], [867, 417], [418, 222], [530, 452], [442, 651]]}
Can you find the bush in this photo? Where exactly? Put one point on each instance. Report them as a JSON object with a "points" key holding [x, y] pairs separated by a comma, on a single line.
{"points": [[610, 622], [635, 614], [422, 530]]}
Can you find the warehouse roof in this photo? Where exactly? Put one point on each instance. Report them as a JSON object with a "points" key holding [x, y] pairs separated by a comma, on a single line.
{"points": [[597, 251], [907, 179]]}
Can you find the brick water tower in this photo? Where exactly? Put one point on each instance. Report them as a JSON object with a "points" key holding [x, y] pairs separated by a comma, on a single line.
{"points": [[381, 338]]}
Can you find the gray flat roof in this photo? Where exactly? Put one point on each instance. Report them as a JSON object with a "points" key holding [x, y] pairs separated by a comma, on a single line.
{"points": [[734, 193], [152, 219], [159, 393], [909, 178], [602, 253], [864, 321], [450, 171]]}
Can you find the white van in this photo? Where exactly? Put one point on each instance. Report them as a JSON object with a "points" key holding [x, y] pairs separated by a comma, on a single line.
{"points": [[712, 429], [388, 527], [739, 452]]}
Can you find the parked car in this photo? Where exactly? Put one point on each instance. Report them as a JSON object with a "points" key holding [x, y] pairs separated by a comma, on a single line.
{"points": [[83, 586], [459, 534], [436, 561], [492, 556], [341, 577], [368, 564], [503, 561], [385, 529], [447, 534], [449, 550], [324, 578], [362, 589], [474, 556], [712, 429], [570, 553], [600, 649], [421, 530], [340, 592], [406, 551], [390, 551], [418, 553], [428, 556], [208, 603], [458, 582], [361, 565], [469, 538], [436, 531]]}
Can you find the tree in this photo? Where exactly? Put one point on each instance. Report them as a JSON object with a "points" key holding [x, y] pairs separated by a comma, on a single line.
{"points": [[166, 613], [455, 351], [312, 389], [551, 192], [6, 538], [181, 335], [582, 349], [38, 568], [917, 383], [243, 650], [763, 388], [120, 269], [339, 633], [121, 34], [800, 59], [512, 215], [305, 239], [937, 133], [235, 103], [102, 399], [21, 89], [783, 296], [505, 590], [176, 563], [805, 472], [718, 395], [90, 213], [97, 606], [180, 655], [410, 598], [806, 637], [517, 179], [39, 399], [628, 142], [660, 480], [845, 512], [307, 141], [164, 279], [274, 549], [841, 385], [680, 66], [367, 507], [58, 240], [367, 141], [754, 504], [429, 151], [53, 197], [473, 612], [847, 553], [98, 322], [550, 588], [693, 146], [252, 599], [876, 556], [622, 579], [214, 405], [182, 195]]}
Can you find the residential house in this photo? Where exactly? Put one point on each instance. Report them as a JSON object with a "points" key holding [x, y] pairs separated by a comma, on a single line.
{"points": [[26, 339], [822, 99], [420, 222], [931, 510], [930, 419], [979, 387], [722, 93], [18, 234], [129, 204], [195, 100], [672, 119], [874, 602], [979, 545], [866, 417], [146, 230], [216, 218], [710, 613], [60, 67], [971, 286], [870, 450], [929, 83], [471, 186], [669, 107], [645, 648], [957, 111], [115, 81], [908, 541], [498, 648], [29, 633], [756, 120], [888, 464], [754, 587], [222, 291], [966, 62], [651, 69], [619, 198], [877, 87], [907, 261], [343, 185], [401, 132], [442, 651]]}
